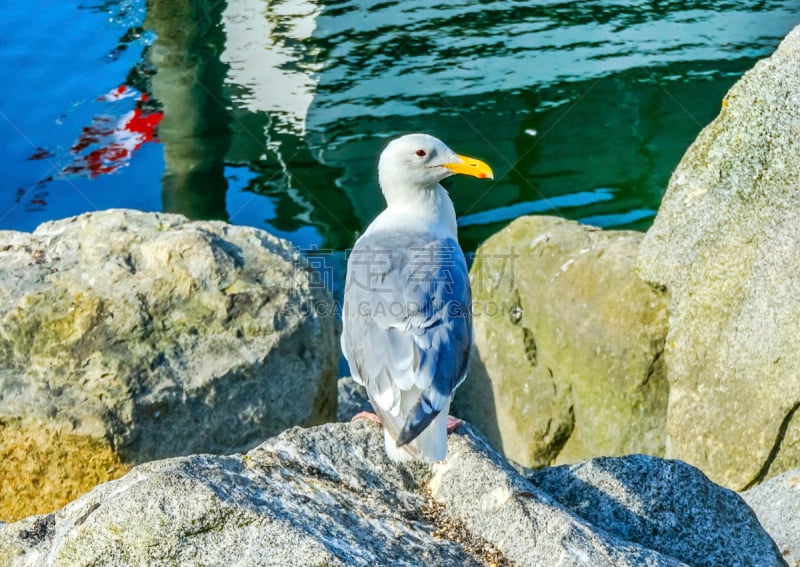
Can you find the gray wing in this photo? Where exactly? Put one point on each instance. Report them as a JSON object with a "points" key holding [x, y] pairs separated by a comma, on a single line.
{"points": [[407, 325]]}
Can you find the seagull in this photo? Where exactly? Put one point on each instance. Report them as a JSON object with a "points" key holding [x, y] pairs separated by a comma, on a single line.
{"points": [[407, 320]]}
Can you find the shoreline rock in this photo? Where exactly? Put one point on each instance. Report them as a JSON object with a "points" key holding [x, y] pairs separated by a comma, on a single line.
{"points": [[568, 339], [724, 248], [329, 495], [128, 336], [776, 504]]}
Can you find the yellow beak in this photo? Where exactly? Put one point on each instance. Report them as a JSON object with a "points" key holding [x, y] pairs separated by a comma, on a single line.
{"points": [[470, 166]]}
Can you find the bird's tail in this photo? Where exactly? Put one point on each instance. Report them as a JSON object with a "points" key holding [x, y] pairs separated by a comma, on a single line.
{"points": [[419, 418]]}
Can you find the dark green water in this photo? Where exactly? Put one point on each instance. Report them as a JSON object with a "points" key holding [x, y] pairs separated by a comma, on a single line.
{"points": [[582, 108], [275, 112]]}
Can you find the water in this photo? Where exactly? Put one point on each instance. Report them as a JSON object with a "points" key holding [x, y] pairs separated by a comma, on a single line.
{"points": [[272, 114]]}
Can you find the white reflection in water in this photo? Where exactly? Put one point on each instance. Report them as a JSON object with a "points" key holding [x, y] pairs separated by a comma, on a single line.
{"points": [[268, 59]]}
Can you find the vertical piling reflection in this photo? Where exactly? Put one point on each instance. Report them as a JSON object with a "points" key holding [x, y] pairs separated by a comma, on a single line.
{"points": [[195, 131]]}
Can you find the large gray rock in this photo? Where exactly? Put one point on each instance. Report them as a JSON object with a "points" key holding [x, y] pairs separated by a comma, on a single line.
{"points": [[725, 246], [568, 341], [329, 496], [661, 504], [776, 503], [129, 336]]}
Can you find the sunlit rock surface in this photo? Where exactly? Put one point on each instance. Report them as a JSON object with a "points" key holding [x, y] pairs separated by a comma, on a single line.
{"points": [[568, 342], [329, 496], [725, 247], [128, 336], [776, 503]]}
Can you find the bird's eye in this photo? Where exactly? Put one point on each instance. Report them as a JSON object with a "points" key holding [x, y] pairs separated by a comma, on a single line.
{"points": [[421, 153]]}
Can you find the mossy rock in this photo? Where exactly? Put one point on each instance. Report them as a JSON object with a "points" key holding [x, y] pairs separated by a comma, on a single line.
{"points": [[568, 345], [150, 336]]}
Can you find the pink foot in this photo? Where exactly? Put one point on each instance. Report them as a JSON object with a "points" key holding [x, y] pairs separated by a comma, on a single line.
{"points": [[366, 415], [453, 423]]}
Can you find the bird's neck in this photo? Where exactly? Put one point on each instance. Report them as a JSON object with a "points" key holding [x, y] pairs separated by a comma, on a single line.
{"points": [[430, 210]]}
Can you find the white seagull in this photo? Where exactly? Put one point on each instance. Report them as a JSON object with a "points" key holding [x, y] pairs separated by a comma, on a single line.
{"points": [[407, 324]]}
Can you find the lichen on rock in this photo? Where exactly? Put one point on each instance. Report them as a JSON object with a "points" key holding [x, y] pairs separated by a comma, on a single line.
{"points": [[154, 336], [568, 341]]}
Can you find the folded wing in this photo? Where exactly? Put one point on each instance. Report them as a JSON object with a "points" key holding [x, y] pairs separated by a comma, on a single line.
{"points": [[407, 328]]}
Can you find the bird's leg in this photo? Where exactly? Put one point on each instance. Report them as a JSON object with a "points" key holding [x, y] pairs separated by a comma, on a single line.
{"points": [[453, 423], [366, 415]]}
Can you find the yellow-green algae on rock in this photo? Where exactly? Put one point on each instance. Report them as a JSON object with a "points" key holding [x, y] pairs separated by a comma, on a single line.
{"points": [[43, 468]]}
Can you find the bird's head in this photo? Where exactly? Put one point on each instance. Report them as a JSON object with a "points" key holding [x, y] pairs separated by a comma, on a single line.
{"points": [[420, 161]]}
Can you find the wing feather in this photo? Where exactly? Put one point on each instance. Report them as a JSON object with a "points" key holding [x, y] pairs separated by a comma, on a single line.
{"points": [[407, 328]]}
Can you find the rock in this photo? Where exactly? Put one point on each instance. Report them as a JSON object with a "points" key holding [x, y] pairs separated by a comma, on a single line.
{"points": [[43, 467], [724, 248], [129, 336], [659, 504], [776, 503], [328, 495], [568, 339], [352, 399]]}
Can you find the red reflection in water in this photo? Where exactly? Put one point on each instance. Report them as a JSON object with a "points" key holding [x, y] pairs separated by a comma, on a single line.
{"points": [[104, 146]]}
